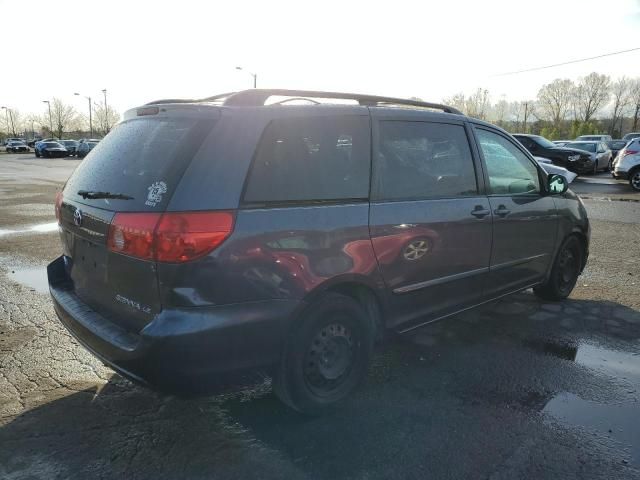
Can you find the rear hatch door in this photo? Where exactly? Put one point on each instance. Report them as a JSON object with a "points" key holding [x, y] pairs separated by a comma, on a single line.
{"points": [[135, 168]]}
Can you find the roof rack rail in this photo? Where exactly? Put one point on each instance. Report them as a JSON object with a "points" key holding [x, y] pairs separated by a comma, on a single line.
{"points": [[258, 97], [190, 100]]}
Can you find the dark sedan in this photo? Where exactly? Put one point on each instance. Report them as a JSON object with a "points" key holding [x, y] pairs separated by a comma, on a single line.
{"points": [[70, 145], [615, 146], [52, 150], [573, 159], [16, 147], [85, 146]]}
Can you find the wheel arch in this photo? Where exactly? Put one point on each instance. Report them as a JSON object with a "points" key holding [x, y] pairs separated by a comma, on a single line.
{"points": [[360, 288]]}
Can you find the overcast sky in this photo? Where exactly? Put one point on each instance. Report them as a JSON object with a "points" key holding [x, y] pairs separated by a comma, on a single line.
{"points": [[145, 50]]}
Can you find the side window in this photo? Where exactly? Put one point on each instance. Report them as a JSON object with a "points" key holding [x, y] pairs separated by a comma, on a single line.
{"points": [[526, 142], [305, 159], [509, 170], [417, 160]]}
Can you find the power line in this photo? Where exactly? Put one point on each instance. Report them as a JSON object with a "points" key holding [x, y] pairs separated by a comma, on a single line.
{"points": [[565, 63]]}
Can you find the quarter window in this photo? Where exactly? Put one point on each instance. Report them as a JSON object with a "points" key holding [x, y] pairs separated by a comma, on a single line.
{"points": [[417, 160], [306, 159], [510, 171]]}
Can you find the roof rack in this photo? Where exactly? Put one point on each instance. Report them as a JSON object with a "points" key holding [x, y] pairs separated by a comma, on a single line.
{"points": [[258, 97]]}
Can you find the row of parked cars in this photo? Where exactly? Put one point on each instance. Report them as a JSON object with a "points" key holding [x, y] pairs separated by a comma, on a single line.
{"points": [[52, 147], [591, 154]]}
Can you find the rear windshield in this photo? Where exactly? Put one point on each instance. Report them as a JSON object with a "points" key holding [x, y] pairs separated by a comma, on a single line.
{"points": [[617, 144], [143, 158], [589, 147]]}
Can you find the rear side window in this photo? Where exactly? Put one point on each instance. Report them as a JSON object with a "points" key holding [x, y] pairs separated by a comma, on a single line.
{"points": [[141, 158], [417, 160], [307, 159]]}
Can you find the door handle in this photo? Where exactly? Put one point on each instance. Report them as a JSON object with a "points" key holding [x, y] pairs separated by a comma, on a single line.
{"points": [[502, 211], [480, 212]]}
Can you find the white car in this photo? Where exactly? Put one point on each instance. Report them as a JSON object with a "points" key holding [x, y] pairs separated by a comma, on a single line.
{"points": [[548, 166], [626, 166], [593, 138]]}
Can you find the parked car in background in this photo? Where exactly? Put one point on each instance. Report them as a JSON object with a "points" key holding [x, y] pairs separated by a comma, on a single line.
{"points": [[593, 138], [32, 143], [561, 143], [572, 159], [85, 146], [627, 164], [12, 139], [631, 136], [200, 240], [70, 145], [16, 146], [548, 166], [599, 152], [615, 146], [51, 150], [37, 143]]}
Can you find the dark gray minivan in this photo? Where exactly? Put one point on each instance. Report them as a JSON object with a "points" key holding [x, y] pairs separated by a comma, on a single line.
{"points": [[284, 231]]}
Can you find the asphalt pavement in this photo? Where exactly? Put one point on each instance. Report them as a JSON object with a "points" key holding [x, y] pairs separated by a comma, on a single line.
{"points": [[517, 389]]}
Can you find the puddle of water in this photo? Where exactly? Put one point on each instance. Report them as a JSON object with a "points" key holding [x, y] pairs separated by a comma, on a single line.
{"points": [[35, 278], [45, 227], [39, 228], [619, 422]]}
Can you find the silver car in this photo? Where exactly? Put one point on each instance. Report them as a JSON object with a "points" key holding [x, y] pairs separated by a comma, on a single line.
{"points": [[627, 164]]}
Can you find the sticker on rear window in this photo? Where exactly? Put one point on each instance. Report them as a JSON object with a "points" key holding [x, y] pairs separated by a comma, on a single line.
{"points": [[156, 190]]}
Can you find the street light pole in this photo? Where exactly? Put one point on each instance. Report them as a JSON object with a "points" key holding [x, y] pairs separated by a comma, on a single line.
{"points": [[90, 119], [106, 112], [50, 122], [254, 75]]}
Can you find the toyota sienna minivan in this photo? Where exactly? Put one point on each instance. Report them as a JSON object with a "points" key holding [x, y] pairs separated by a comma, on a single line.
{"points": [[284, 231]]}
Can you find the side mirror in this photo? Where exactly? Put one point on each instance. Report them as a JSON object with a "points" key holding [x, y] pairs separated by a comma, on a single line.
{"points": [[557, 184]]}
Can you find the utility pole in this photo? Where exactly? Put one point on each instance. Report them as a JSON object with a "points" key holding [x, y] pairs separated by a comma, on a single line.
{"points": [[90, 119], [106, 113], [50, 122], [526, 110]]}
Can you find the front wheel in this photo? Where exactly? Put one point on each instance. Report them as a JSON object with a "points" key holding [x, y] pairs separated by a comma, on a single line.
{"points": [[564, 273], [326, 356]]}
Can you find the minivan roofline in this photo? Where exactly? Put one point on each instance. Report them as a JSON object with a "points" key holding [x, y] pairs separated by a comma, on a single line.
{"points": [[258, 97]]}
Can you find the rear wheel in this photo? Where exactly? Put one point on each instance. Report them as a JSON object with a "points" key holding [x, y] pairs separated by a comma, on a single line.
{"points": [[326, 356], [564, 273], [634, 179]]}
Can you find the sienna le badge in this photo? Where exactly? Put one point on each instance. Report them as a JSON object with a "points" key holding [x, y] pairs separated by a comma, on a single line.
{"points": [[156, 190]]}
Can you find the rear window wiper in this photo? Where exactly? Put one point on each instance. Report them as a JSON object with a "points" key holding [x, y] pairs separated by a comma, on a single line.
{"points": [[96, 195]]}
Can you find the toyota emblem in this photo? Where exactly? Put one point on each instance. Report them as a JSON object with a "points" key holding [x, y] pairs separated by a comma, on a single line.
{"points": [[77, 217]]}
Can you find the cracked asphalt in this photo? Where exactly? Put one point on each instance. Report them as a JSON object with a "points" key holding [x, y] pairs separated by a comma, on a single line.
{"points": [[516, 389]]}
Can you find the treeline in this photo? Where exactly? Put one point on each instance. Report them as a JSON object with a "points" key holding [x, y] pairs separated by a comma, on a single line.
{"points": [[563, 109], [59, 119]]}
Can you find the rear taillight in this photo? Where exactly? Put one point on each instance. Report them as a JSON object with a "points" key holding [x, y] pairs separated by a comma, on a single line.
{"points": [[630, 152], [169, 237], [58, 205]]}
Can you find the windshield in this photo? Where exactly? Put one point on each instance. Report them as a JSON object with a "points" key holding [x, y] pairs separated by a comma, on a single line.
{"points": [[543, 142], [617, 144], [589, 147], [52, 144], [142, 158]]}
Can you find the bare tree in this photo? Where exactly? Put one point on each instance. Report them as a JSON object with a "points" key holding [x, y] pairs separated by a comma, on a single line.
{"points": [[621, 92], [105, 118], [63, 116], [554, 100], [477, 105], [592, 93], [457, 101], [635, 102]]}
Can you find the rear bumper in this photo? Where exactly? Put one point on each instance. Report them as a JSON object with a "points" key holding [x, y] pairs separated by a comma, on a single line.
{"points": [[620, 175], [186, 350]]}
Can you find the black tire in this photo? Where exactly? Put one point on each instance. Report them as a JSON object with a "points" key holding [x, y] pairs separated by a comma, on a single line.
{"points": [[37, 154], [564, 273], [634, 179], [326, 355]]}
